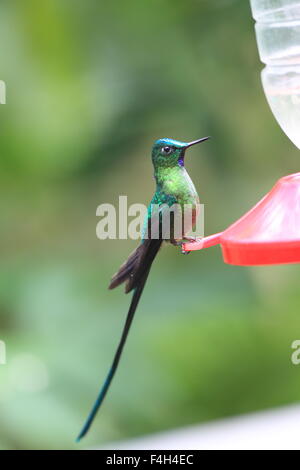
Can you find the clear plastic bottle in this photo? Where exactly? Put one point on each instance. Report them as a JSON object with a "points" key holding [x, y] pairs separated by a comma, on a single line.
{"points": [[278, 38]]}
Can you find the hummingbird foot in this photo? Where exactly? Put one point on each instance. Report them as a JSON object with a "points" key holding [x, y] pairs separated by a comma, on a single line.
{"points": [[180, 243], [183, 252], [187, 239]]}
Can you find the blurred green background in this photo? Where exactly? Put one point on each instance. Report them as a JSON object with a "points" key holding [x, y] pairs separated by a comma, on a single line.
{"points": [[90, 85]]}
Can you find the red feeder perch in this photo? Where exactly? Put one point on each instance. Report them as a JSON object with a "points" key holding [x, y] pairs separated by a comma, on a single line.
{"points": [[268, 234]]}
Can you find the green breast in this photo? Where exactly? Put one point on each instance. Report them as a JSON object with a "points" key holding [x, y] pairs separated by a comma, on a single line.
{"points": [[177, 184]]}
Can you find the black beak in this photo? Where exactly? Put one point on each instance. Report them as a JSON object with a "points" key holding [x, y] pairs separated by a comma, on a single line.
{"points": [[196, 142]]}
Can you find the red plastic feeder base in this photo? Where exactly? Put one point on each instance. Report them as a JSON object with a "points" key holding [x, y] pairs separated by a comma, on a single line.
{"points": [[268, 234]]}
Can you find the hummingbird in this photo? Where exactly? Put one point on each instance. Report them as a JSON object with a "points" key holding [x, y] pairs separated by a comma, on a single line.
{"points": [[173, 187]]}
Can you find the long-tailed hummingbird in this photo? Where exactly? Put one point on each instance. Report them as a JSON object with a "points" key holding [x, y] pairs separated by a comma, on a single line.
{"points": [[173, 187]]}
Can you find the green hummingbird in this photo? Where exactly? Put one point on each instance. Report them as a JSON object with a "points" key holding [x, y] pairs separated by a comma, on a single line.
{"points": [[174, 187]]}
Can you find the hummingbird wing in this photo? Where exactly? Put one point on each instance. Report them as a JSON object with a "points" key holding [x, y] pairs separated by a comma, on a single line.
{"points": [[138, 261], [136, 264], [158, 215]]}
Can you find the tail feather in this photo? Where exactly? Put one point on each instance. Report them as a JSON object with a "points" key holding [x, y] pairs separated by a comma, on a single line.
{"points": [[136, 279], [137, 263], [127, 268]]}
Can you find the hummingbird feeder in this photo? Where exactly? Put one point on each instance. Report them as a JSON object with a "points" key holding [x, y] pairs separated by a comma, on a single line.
{"points": [[270, 232]]}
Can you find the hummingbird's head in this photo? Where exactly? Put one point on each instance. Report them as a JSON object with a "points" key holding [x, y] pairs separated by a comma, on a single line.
{"points": [[170, 153]]}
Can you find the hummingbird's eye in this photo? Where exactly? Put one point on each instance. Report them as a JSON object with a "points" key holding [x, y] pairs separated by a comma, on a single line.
{"points": [[166, 150]]}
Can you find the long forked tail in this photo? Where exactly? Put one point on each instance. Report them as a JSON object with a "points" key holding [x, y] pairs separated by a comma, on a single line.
{"points": [[137, 274]]}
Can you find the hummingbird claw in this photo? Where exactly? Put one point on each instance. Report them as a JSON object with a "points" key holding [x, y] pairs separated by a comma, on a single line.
{"points": [[180, 244], [183, 251]]}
